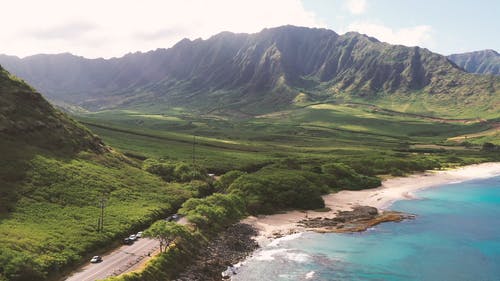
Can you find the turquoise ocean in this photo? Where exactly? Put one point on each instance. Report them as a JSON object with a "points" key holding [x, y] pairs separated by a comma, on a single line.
{"points": [[455, 237]]}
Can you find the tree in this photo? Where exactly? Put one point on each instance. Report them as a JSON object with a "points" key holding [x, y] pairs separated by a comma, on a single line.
{"points": [[488, 146], [271, 190], [162, 169], [213, 212], [338, 170], [166, 233]]}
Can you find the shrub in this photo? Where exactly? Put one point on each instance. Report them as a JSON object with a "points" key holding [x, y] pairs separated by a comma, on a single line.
{"points": [[200, 188], [227, 179], [164, 170], [180, 172], [342, 176], [214, 212], [271, 190]]}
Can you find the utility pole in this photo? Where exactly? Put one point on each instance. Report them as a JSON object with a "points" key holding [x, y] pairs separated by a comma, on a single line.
{"points": [[100, 225], [194, 156]]}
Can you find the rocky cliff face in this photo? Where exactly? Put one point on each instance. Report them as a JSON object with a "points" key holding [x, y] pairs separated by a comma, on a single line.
{"points": [[253, 71]]}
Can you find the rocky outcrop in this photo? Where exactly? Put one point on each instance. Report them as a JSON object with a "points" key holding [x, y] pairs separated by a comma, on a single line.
{"points": [[359, 219], [230, 247]]}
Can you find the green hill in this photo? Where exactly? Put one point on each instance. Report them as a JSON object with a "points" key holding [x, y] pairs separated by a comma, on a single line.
{"points": [[53, 174]]}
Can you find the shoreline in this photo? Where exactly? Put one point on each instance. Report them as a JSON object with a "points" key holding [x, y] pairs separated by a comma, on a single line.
{"points": [[274, 226]]}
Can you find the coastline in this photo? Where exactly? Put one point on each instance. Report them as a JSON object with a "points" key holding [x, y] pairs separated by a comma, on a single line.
{"points": [[391, 190]]}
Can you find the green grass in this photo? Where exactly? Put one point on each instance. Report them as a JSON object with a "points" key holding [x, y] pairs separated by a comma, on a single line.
{"points": [[452, 106]]}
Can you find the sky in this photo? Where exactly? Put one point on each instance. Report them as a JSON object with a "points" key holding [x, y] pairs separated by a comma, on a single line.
{"points": [[112, 28]]}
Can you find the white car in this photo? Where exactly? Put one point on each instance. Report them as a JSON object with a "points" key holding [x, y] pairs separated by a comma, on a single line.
{"points": [[132, 237], [96, 259], [139, 234]]}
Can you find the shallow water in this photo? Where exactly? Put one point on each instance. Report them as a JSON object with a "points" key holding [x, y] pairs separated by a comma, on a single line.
{"points": [[456, 236]]}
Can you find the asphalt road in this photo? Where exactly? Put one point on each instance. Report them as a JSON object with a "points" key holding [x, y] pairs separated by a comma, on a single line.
{"points": [[116, 262]]}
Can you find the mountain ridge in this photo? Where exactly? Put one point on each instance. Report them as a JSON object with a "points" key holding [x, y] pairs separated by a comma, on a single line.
{"points": [[259, 72], [482, 62]]}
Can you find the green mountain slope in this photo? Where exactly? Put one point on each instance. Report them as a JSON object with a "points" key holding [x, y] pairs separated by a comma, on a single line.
{"points": [[482, 62], [26, 116], [53, 173], [259, 73]]}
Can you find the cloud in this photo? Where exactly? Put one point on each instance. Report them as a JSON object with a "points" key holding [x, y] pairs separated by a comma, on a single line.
{"points": [[420, 35], [95, 28], [356, 7], [66, 31]]}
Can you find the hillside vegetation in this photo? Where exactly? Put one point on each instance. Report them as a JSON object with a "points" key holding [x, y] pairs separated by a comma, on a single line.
{"points": [[53, 175]]}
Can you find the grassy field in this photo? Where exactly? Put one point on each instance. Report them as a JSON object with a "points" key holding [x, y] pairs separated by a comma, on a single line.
{"points": [[315, 133]]}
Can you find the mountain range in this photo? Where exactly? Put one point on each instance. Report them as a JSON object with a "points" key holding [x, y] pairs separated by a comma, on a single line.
{"points": [[483, 62], [261, 72]]}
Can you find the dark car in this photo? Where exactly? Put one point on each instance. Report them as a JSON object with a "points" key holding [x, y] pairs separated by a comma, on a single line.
{"points": [[96, 259], [128, 241], [174, 217]]}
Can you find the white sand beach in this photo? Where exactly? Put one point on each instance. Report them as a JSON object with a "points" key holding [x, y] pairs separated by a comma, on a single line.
{"points": [[391, 190]]}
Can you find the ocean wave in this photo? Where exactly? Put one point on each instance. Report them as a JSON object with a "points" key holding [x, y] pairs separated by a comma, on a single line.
{"points": [[310, 275], [277, 241], [282, 253], [268, 255], [297, 257]]}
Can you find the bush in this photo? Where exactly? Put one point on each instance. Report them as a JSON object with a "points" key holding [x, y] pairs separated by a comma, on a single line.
{"points": [[338, 170], [271, 190], [180, 172], [214, 212], [342, 176], [227, 179], [164, 170], [200, 188], [397, 172]]}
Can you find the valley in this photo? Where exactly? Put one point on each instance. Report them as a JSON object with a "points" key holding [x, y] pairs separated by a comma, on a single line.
{"points": [[319, 132], [218, 129]]}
